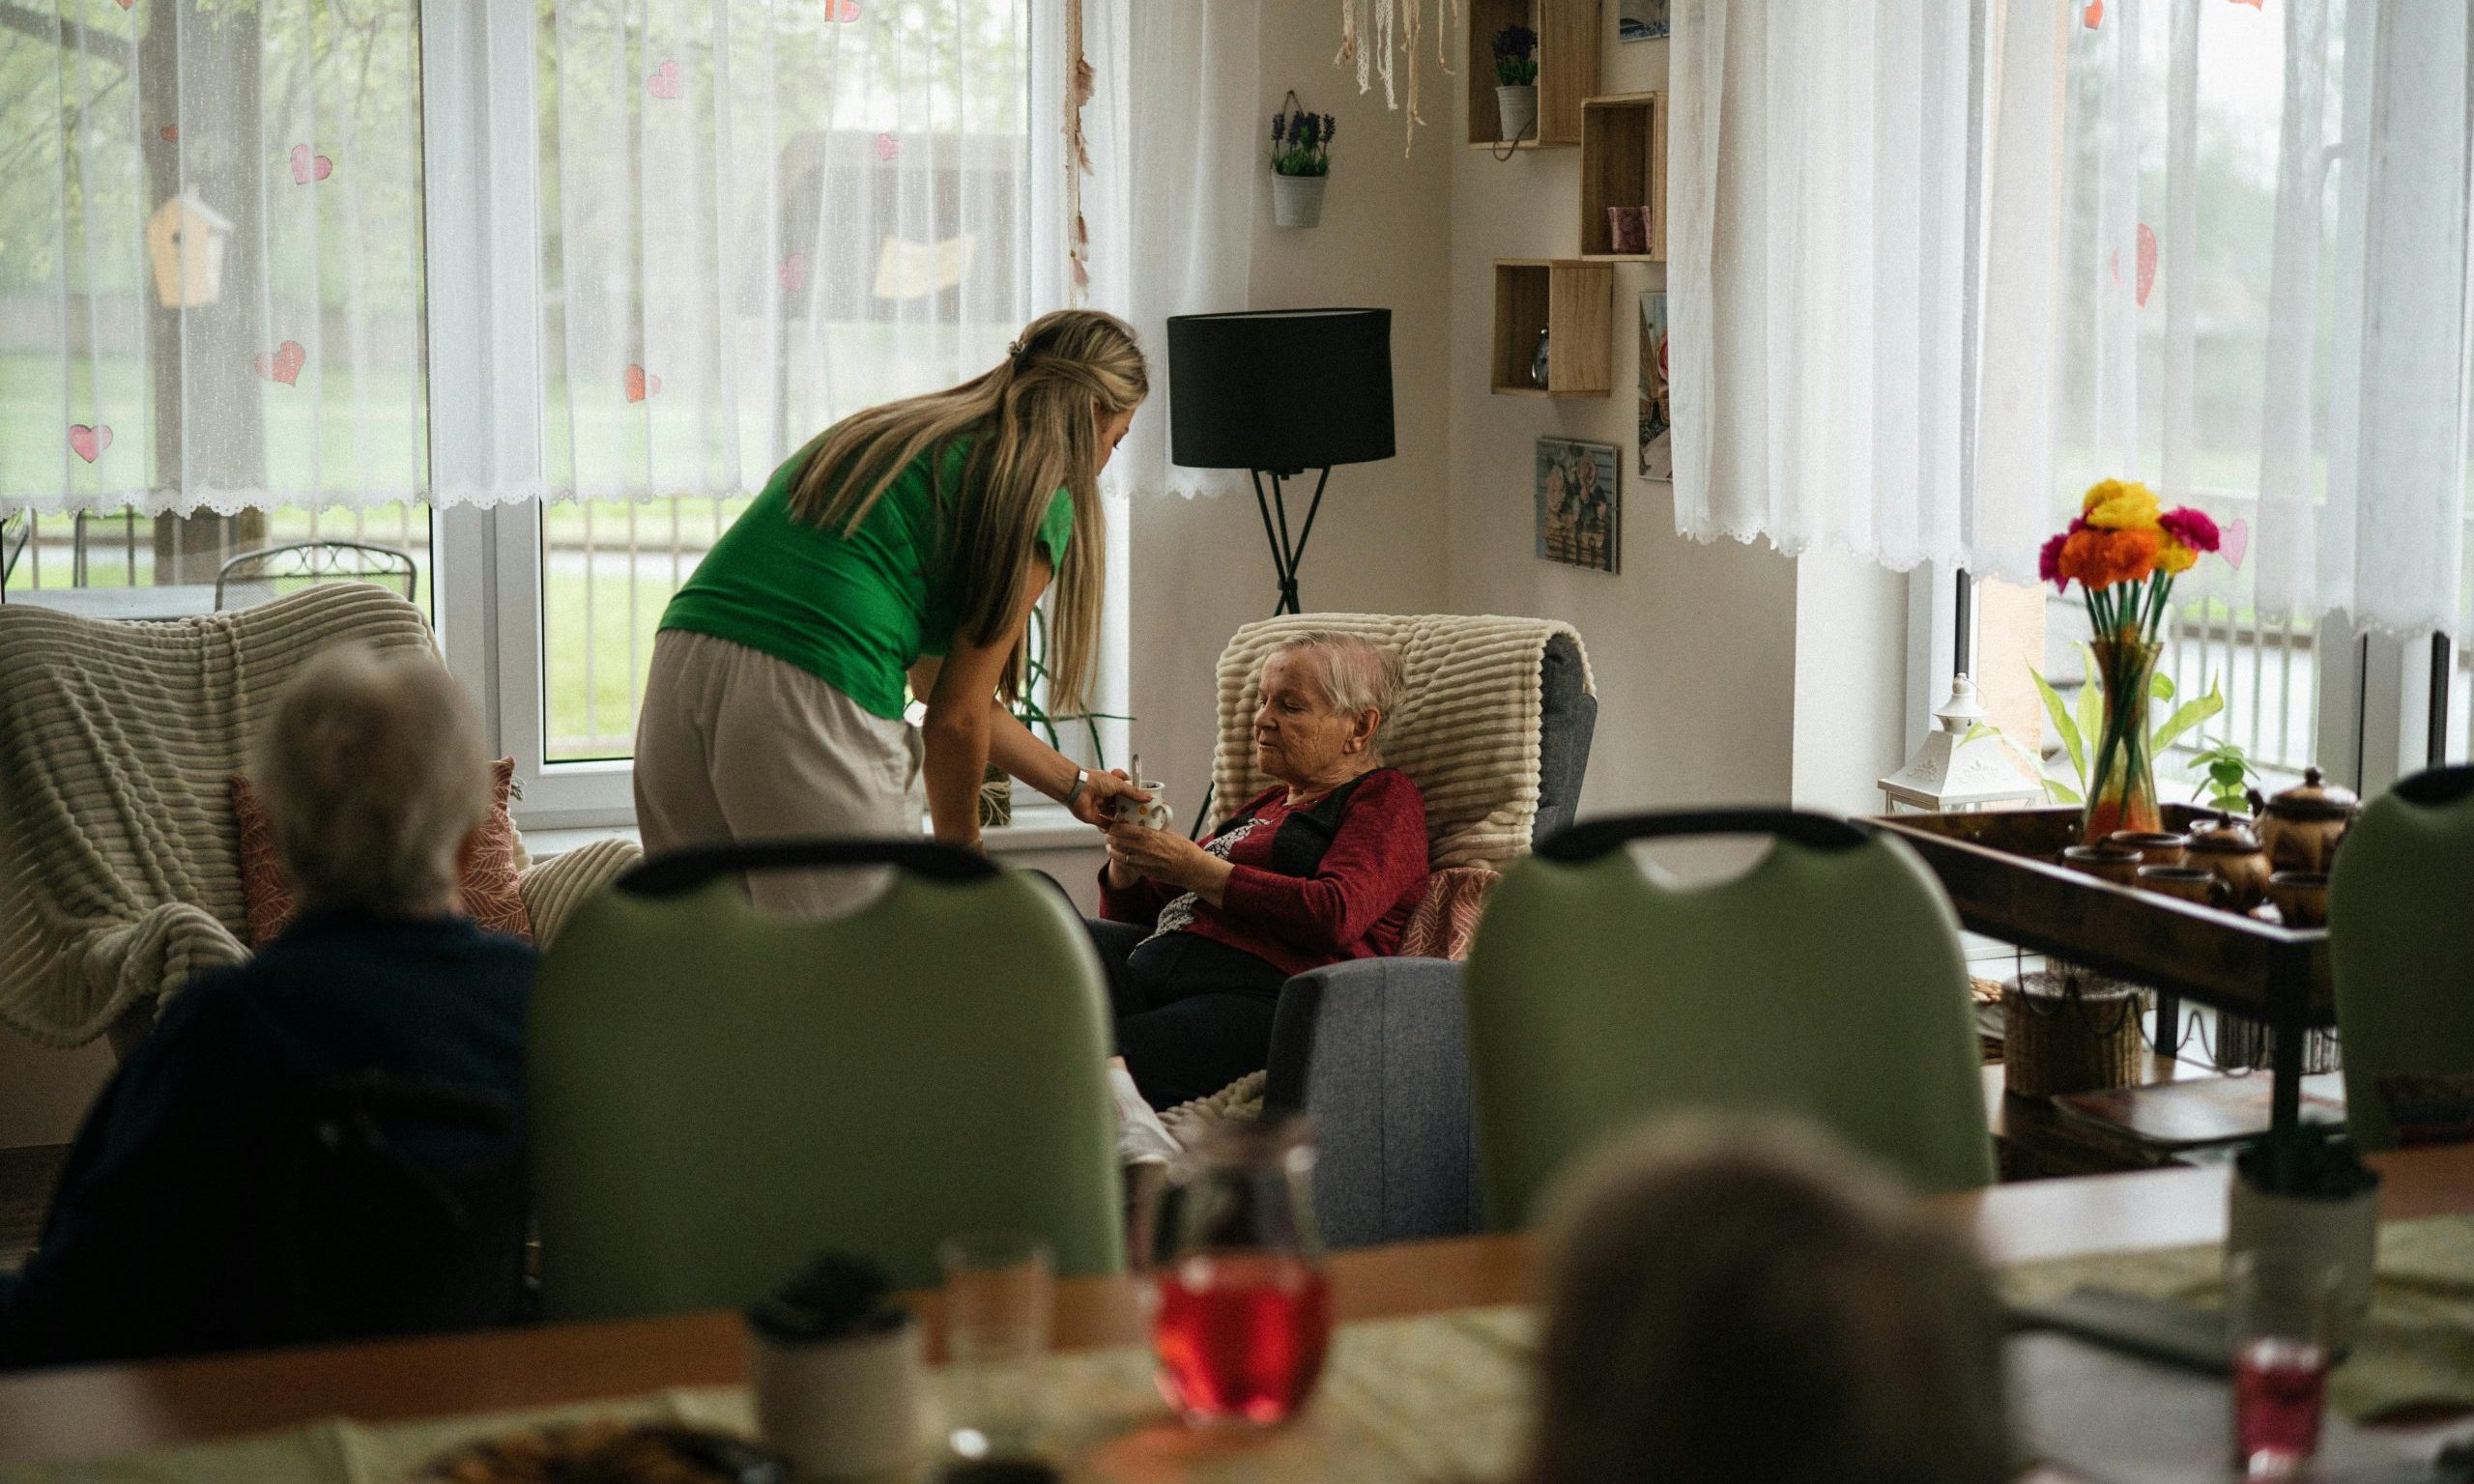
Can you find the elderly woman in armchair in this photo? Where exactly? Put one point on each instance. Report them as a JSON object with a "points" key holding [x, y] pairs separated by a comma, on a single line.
{"points": [[1327, 864]]}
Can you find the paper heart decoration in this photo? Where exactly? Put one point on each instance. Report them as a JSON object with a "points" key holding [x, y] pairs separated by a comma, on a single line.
{"points": [[849, 12], [2146, 263], [2233, 542], [285, 364], [663, 81], [90, 443], [171, 133], [307, 167], [640, 384], [2253, 4], [2094, 15], [792, 274], [888, 146], [125, 4]]}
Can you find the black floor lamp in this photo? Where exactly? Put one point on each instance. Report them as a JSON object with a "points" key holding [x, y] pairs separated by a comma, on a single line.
{"points": [[1279, 392]]}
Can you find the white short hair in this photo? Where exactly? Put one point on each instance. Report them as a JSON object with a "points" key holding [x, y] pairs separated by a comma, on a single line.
{"points": [[372, 772], [1354, 674]]}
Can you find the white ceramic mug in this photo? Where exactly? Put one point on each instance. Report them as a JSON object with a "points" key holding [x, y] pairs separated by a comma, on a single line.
{"points": [[1154, 816]]}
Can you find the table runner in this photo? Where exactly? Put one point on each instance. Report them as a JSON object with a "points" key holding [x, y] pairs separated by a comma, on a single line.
{"points": [[2416, 1349], [1437, 1399]]}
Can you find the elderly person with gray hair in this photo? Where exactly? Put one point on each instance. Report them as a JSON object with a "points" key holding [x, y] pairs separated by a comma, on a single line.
{"points": [[166, 1236], [1325, 865]]}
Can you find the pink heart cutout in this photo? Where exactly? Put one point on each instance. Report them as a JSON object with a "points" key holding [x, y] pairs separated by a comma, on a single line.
{"points": [[888, 146], [2094, 15], [2146, 263], [639, 384], [2233, 542], [792, 274], [90, 443], [285, 364], [171, 133], [663, 81], [849, 12], [307, 167]]}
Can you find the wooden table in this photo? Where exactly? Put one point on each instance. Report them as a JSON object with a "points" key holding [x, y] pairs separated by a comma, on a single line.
{"points": [[95, 1411]]}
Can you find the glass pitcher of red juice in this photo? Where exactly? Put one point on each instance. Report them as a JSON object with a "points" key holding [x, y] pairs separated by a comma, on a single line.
{"points": [[1243, 1314]]}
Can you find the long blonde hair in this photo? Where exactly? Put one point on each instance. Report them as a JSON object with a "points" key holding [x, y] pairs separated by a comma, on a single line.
{"points": [[1034, 430]]}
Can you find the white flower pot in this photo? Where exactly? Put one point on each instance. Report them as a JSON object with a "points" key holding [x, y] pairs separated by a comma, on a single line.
{"points": [[1518, 106], [2313, 1233], [840, 1408], [1297, 200]]}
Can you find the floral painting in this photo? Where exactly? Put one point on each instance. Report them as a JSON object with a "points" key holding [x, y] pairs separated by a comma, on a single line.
{"points": [[1658, 413], [1641, 21], [1579, 504]]}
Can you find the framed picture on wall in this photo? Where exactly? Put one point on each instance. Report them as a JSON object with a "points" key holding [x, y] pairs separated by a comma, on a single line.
{"points": [[1657, 417], [1641, 21], [1580, 504]]}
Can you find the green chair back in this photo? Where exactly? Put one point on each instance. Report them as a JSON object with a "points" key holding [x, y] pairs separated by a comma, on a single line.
{"points": [[1826, 982], [2400, 951], [718, 1094]]}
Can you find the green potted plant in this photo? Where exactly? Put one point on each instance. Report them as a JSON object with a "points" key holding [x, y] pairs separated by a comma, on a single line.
{"points": [[2303, 1196], [2224, 774], [834, 1365], [1516, 81], [1300, 163]]}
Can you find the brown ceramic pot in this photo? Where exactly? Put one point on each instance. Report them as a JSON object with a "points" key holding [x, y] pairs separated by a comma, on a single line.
{"points": [[2300, 827], [2229, 849]]}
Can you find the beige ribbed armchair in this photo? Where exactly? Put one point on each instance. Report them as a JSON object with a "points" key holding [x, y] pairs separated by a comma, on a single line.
{"points": [[120, 875]]}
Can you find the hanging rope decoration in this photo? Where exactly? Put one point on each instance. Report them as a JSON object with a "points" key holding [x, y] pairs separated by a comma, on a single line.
{"points": [[1366, 45], [1079, 86]]}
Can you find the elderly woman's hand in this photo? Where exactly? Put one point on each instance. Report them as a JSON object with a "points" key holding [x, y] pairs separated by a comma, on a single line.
{"points": [[1167, 858], [1096, 802]]}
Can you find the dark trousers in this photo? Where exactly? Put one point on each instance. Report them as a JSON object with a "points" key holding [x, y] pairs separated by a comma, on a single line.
{"points": [[1193, 1016]]}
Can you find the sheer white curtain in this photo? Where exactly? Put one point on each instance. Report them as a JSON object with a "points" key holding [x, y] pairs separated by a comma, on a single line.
{"points": [[211, 286], [1817, 269], [1176, 149], [758, 218]]}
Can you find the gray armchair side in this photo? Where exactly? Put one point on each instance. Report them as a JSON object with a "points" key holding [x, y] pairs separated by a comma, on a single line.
{"points": [[1375, 1050]]}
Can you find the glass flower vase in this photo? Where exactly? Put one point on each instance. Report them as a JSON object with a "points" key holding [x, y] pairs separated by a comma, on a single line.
{"points": [[2121, 794]]}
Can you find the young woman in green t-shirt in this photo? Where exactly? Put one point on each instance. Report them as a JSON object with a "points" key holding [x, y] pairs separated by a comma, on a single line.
{"points": [[908, 543]]}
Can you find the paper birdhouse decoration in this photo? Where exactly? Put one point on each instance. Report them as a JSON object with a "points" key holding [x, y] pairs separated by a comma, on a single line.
{"points": [[184, 237]]}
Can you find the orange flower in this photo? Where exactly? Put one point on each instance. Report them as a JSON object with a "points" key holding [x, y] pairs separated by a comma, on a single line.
{"points": [[2095, 557]]}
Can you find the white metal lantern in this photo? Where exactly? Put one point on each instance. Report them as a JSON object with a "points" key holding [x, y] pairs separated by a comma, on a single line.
{"points": [[1962, 765]]}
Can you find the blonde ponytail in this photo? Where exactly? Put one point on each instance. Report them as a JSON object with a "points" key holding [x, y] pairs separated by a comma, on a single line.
{"points": [[1034, 421]]}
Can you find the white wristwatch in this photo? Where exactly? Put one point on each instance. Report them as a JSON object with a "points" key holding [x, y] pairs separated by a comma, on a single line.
{"points": [[1081, 776]]}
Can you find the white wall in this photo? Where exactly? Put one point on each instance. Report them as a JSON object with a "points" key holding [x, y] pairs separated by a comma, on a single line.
{"points": [[1850, 681], [1200, 568], [1693, 645]]}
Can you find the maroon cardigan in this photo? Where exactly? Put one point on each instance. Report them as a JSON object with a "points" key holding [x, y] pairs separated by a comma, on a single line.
{"points": [[1312, 886]]}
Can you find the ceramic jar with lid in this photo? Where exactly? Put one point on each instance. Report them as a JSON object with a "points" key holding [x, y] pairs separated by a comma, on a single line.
{"points": [[2227, 847], [2300, 827]]}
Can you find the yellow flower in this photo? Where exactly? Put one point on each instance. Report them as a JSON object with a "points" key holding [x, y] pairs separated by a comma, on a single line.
{"points": [[2121, 504], [2173, 557]]}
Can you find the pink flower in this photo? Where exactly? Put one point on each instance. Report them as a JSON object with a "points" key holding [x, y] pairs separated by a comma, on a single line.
{"points": [[2191, 527], [2049, 562]]}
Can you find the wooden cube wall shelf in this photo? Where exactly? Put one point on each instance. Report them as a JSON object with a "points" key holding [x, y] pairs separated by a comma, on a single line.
{"points": [[1575, 303], [1622, 163], [1569, 33]]}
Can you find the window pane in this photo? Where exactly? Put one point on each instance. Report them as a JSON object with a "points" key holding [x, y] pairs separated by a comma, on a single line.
{"points": [[128, 565], [756, 219]]}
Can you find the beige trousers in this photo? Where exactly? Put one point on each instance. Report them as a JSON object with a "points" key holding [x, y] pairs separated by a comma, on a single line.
{"points": [[734, 746]]}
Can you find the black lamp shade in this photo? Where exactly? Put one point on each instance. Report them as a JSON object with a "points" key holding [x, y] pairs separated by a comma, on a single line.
{"points": [[1285, 389]]}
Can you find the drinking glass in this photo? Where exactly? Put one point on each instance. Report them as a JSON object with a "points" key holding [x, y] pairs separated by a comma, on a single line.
{"points": [[999, 1292], [2280, 1312], [1245, 1315]]}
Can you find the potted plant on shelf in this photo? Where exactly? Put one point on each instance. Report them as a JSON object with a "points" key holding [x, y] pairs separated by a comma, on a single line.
{"points": [[834, 1365], [2124, 550], [1516, 81], [1300, 163]]}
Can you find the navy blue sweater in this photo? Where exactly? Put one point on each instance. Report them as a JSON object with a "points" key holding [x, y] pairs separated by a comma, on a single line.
{"points": [[156, 1244]]}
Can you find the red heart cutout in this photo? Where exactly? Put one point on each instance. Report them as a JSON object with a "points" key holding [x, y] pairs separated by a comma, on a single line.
{"points": [[171, 133], [641, 385], [90, 443], [307, 167], [2094, 15], [663, 81], [285, 364], [792, 274], [888, 146], [124, 4], [2253, 4], [849, 12], [2146, 262]]}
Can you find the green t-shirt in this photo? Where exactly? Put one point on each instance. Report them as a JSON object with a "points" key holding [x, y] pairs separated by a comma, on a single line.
{"points": [[855, 610]]}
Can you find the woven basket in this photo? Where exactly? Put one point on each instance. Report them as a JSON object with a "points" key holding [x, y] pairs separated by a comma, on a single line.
{"points": [[2065, 1029]]}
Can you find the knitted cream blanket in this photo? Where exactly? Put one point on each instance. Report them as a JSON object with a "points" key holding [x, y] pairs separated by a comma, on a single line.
{"points": [[1466, 732], [120, 872]]}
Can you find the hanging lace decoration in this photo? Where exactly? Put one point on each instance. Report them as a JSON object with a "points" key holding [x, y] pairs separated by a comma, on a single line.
{"points": [[1367, 40], [1078, 87]]}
